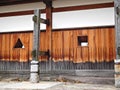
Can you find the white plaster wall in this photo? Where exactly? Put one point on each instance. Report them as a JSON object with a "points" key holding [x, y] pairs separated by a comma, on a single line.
{"points": [[84, 18], [71, 19], [18, 23]]}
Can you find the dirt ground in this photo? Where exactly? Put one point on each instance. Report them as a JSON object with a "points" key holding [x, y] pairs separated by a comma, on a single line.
{"points": [[57, 84]]}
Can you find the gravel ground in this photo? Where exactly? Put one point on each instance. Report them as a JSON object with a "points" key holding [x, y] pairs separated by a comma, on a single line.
{"points": [[58, 84], [82, 86], [48, 85]]}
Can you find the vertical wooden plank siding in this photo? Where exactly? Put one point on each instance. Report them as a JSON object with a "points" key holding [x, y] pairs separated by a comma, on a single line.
{"points": [[24, 52], [15, 53], [3, 46], [43, 45], [91, 39], [30, 45], [0, 47], [57, 48], [66, 45], [101, 46], [7, 47]]}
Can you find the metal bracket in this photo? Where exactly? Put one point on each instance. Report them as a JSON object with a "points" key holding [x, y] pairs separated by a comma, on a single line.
{"points": [[41, 20], [118, 10]]}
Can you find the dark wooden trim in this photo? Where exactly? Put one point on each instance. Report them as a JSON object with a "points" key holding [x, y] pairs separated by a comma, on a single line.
{"points": [[62, 29], [14, 2], [84, 7], [83, 28], [61, 9], [16, 13], [12, 32], [29, 12], [48, 3]]}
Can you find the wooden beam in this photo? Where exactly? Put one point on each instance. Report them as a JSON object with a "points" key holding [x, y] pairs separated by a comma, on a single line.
{"points": [[36, 35], [117, 30], [61, 9], [84, 7], [49, 27], [34, 75], [48, 3], [44, 21], [14, 2]]}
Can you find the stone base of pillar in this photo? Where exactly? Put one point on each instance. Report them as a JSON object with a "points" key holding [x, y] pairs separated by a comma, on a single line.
{"points": [[117, 83], [34, 71], [34, 77], [117, 74]]}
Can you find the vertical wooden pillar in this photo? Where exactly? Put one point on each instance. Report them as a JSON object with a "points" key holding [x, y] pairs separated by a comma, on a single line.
{"points": [[49, 27], [34, 70], [117, 29]]}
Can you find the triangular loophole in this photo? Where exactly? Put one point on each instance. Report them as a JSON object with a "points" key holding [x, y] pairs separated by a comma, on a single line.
{"points": [[19, 44]]}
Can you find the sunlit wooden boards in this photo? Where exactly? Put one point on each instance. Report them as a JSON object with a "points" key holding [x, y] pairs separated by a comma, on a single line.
{"points": [[7, 50], [64, 45], [101, 45]]}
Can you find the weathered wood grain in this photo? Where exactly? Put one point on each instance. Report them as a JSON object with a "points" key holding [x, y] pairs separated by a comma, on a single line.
{"points": [[101, 46]]}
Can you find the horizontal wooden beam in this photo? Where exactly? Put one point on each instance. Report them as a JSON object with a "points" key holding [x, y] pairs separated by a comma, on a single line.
{"points": [[62, 29], [44, 21], [61, 9], [84, 7]]}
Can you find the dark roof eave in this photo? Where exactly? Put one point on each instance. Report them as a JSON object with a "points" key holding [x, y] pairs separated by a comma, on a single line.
{"points": [[14, 2]]}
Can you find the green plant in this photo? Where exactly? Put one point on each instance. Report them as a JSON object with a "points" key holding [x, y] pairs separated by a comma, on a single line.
{"points": [[35, 18], [118, 55], [34, 53]]}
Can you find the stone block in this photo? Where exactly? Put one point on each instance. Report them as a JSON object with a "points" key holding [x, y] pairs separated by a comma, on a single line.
{"points": [[117, 67], [117, 80]]}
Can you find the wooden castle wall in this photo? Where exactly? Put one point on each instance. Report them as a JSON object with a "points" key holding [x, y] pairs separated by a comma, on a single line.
{"points": [[101, 45]]}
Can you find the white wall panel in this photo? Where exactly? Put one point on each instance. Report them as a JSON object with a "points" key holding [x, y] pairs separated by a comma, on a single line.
{"points": [[71, 19], [18, 23], [84, 18]]}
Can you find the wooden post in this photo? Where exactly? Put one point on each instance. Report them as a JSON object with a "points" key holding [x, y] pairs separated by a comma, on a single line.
{"points": [[49, 28], [117, 29], [34, 75]]}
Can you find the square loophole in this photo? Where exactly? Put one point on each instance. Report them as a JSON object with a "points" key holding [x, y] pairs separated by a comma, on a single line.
{"points": [[82, 40]]}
